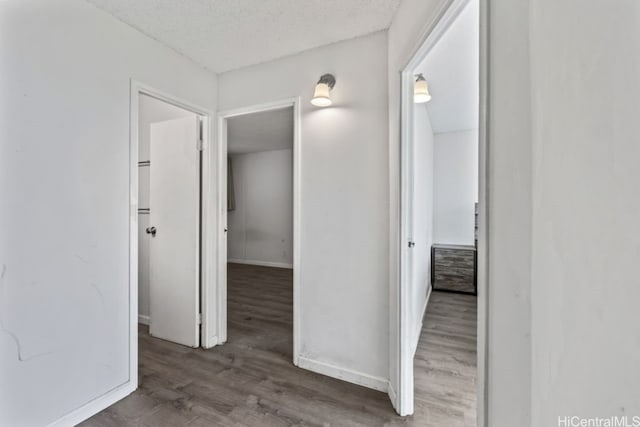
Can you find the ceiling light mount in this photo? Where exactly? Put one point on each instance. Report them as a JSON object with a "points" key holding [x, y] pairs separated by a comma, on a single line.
{"points": [[321, 96]]}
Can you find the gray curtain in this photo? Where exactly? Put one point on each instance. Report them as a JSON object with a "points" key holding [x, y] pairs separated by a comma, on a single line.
{"points": [[231, 194]]}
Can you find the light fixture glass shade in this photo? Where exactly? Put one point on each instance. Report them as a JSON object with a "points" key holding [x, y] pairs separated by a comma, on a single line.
{"points": [[421, 91], [321, 97]]}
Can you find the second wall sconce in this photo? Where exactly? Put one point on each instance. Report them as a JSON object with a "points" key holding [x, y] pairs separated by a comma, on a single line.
{"points": [[321, 96], [421, 90]]}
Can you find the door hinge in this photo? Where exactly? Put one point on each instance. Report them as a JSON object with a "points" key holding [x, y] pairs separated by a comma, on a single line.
{"points": [[199, 318], [199, 145], [411, 244]]}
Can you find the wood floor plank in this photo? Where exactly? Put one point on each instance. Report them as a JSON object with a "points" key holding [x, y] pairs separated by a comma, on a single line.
{"points": [[251, 380]]}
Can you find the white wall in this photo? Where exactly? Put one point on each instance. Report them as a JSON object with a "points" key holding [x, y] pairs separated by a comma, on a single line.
{"points": [[509, 207], [562, 173], [65, 71], [455, 187], [344, 214], [423, 215], [151, 110], [509, 178], [64, 191], [261, 226], [586, 206]]}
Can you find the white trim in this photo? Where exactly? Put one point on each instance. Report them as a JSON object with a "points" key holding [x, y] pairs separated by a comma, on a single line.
{"points": [[392, 392], [297, 224], [143, 319], [133, 231], [416, 334], [260, 263], [213, 341], [94, 406], [259, 108], [221, 238], [482, 262], [430, 35], [221, 207], [344, 374], [207, 232], [405, 393], [137, 89]]}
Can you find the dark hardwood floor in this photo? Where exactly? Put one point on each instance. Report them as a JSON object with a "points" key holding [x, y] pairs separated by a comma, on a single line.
{"points": [[445, 363], [251, 381]]}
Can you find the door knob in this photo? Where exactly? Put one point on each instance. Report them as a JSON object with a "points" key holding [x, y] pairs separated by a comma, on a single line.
{"points": [[152, 231]]}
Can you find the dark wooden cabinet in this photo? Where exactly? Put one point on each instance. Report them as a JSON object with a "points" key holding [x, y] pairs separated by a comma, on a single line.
{"points": [[453, 268]]}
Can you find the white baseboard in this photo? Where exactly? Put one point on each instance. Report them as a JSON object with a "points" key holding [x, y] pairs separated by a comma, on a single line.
{"points": [[145, 320], [416, 334], [344, 374], [96, 405], [393, 397], [260, 263], [212, 342]]}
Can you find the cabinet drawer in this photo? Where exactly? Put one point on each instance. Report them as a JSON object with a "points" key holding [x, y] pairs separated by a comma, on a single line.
{"points": [[453, 268]]}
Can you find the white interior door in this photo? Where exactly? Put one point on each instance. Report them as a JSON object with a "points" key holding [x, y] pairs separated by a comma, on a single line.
{"points": [[174, 225]]}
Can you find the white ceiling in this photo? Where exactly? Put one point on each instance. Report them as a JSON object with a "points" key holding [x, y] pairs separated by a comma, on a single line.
{"points": [[229, 34], [452, 71], [266, 131]]}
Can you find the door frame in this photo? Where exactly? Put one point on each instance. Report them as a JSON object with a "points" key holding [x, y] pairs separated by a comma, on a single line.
{"points": [[138, 88], [431, 34], [221, 204]]}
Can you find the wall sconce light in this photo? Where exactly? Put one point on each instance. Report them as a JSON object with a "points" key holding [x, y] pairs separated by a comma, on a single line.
{"points": [[421, 90], [321, 97]]}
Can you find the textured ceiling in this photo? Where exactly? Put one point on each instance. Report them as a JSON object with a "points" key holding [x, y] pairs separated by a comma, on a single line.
{"points": [[266, 131], [452, 71], [228, 34]]}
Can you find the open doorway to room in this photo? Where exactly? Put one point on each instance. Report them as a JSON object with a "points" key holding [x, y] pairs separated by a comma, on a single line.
{"points": [[258, 260], [440, 205], [260, 231]]}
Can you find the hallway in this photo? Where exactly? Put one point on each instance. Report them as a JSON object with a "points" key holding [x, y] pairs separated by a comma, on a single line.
{"points": [[445, 363], [251, 381]]}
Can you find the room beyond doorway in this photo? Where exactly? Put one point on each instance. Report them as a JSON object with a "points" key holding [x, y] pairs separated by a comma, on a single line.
{"points": [[260, 188], [258, 199], [260, 230], [442, 194]]}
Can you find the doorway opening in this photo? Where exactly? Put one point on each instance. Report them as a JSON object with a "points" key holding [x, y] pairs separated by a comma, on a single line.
{"points": [[168, 157], [443, 218], [258, 253]]}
